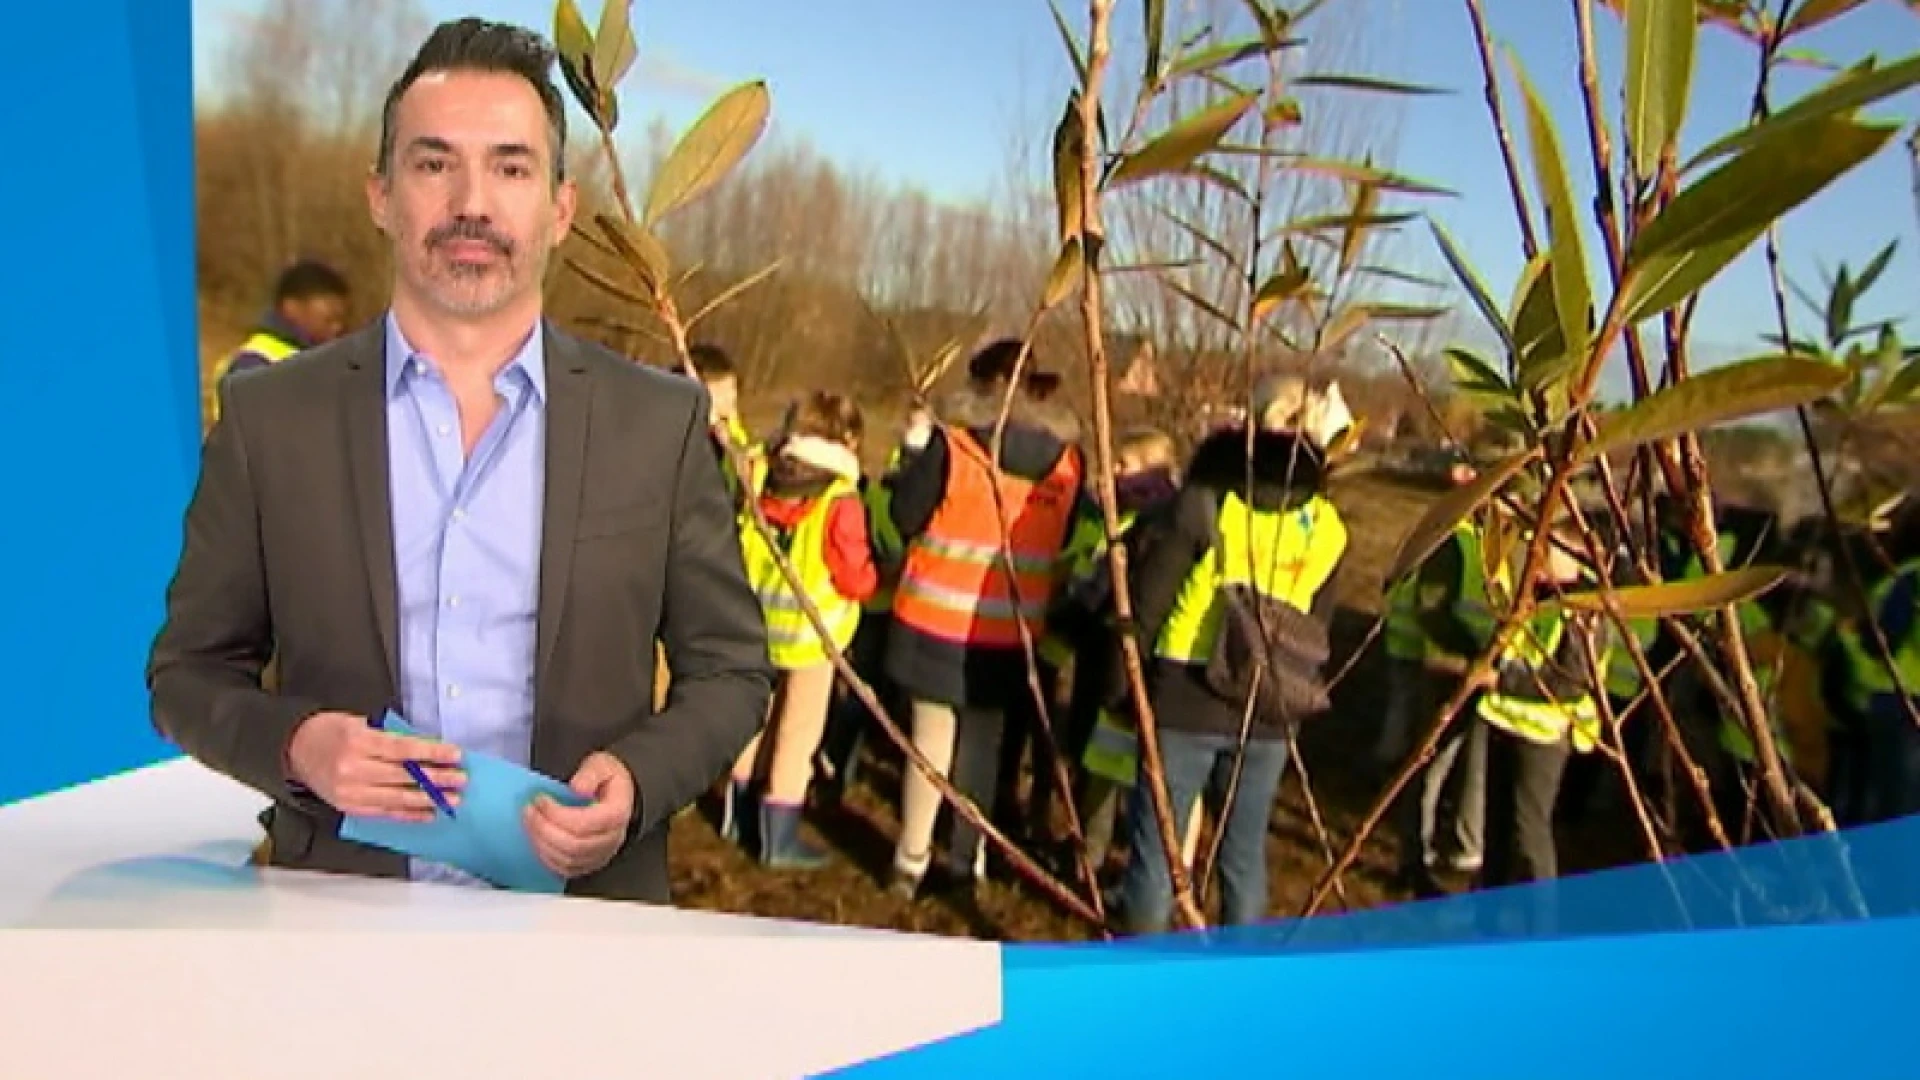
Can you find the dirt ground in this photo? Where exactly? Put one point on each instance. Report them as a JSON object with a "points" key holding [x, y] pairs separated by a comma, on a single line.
{"points": [[712, 875]]}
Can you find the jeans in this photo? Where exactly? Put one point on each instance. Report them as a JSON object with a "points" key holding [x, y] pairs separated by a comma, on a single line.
{"points": [[1146, 890], [1450, 794]]}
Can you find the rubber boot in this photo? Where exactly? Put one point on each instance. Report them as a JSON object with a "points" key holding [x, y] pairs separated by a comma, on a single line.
{"points": [[781, 847]]}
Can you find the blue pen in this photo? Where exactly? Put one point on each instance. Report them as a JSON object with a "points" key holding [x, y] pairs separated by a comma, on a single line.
{"points": [[420, 777]]}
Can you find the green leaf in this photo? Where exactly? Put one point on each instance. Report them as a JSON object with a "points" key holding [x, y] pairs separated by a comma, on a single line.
{"points": [[574, 42], [1075, 54], [1156, 13], [1470, 281], [1471, 372], [1711, 398], [1708, 593], [1900, 389], [614, 49], [1716, 218], [1572, 292], [1067, 269], [1069, 139], [1345, 221], [1367, 83], [1858, 86], [1815, 12], [1200, 236], [636, 247], [1664, 281], [1383, 312], [1272, 23], [1291, 280], [730, 293], [1336, 169], [608, 285], [1224, 56], [1182, 144], [1201, 302], [1839, 313], [571, 38], [1537, 338], [1874, 269], [1660, 53], [1449, 510], [710, 149], [1404, 277], [1213, 177]]}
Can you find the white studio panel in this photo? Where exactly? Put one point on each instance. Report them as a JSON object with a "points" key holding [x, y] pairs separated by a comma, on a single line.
{"points": [[136, 941]]}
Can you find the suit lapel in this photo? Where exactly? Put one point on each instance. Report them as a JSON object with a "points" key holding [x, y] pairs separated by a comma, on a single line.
{"points": [[569, 397], [364, 413]]}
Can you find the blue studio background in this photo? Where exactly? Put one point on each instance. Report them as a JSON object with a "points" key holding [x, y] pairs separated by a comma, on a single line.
{"points": [[1792, 961]]}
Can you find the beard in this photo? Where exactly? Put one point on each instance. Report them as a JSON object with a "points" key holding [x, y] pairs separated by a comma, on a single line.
{"points": [[455, 277]]}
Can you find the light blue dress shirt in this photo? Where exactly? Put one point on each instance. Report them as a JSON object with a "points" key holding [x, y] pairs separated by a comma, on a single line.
{"points": [[466, 543]]}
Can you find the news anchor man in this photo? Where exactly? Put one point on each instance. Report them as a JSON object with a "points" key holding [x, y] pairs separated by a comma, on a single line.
{"points": [[464, 512]]}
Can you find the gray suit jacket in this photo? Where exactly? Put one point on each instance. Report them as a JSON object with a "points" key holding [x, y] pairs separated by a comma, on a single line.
{"points": [[288, 557]]}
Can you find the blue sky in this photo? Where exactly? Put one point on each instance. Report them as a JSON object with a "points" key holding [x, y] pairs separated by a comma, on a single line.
{"points": [[930, 93]]}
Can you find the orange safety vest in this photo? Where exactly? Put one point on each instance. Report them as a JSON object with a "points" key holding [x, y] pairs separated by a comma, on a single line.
{"points": [[954, 585]]}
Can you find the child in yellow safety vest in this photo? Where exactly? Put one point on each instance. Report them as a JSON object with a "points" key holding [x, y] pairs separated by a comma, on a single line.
{"points": [[1541, 708], [1270, 546], [811, 500]]}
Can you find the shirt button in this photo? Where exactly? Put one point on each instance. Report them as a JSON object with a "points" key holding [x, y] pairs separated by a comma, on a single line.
{"points": [[453, 601], [453, 691], [459, 513], [446, 429]]}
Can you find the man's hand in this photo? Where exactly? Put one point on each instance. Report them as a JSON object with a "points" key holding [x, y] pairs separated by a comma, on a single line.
{"points": [[576, 841], [361, 771]]}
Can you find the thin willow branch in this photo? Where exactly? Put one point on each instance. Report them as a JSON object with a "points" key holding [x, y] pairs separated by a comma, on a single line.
{"points": [[1522, 214], [668, 312], [1152, 764]]}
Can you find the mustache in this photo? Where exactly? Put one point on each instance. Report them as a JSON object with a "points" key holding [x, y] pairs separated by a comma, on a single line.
{"points": [[470, 229]]}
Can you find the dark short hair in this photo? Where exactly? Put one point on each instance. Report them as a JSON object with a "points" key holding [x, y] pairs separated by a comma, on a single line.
{"points": [[479, 45], [307, 279], [711, 362]]}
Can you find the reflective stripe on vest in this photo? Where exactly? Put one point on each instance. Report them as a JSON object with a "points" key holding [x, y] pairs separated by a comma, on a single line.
{"points": [[1295, 553], [791, 640], [955, 585], [272, 347], [1545, 722], [1113, 751]]}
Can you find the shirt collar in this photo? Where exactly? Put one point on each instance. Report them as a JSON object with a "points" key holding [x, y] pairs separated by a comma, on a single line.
{"points": [[529, 363]]}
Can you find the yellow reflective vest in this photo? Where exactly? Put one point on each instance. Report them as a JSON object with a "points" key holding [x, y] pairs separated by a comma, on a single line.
{"points": [[265, 343], [1284, 555], [1530, 718], [791, 641]]}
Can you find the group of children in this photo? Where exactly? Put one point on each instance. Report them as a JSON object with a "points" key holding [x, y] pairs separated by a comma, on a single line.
{"points": [[948, 581]]}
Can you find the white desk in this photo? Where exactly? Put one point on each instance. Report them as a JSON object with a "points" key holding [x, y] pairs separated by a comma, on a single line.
{"points": [[136, 941]]}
